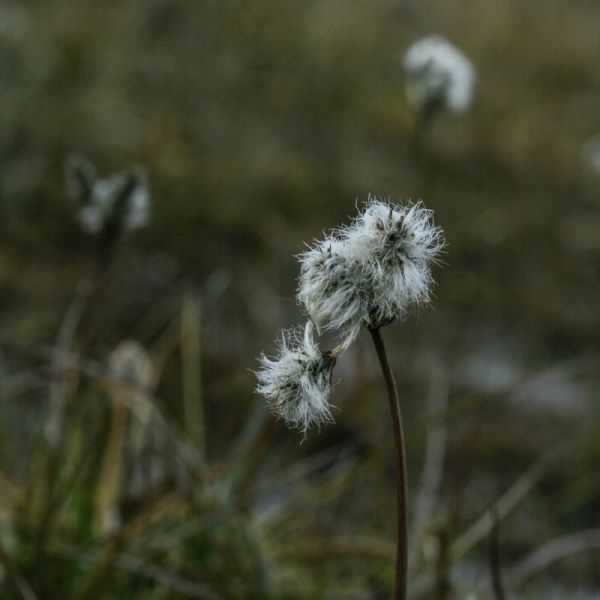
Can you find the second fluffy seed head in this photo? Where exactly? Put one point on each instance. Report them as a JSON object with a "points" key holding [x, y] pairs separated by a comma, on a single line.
{"points": [[370, 272]]}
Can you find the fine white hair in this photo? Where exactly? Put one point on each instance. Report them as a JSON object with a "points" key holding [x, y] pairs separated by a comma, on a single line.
{"points": [[296, 382], [439, 73], [367, 273], [397, 245], [332, 287], [370, 272]]}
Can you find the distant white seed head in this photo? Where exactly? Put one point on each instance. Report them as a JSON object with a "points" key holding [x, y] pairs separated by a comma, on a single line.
{"points": [[296, 383], [130, 368], [100, 205], [590, 152], [438, 74], [372, 271], [103, 203], [137, 214], [102, 198], [129, 363]]}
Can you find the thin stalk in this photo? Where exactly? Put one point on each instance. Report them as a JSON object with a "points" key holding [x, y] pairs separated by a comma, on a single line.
{"points": [[401, 485], [54, 429], [494, 560], [55, 424], [109, 482], [442, 566]]}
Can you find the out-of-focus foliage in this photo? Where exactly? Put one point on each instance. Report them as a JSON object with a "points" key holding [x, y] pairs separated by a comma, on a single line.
{"points": [[260, 124]]}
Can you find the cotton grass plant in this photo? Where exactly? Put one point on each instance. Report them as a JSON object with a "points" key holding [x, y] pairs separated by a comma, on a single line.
{"points": [[109, 205], [439, 78], [367, 274], [297, 382]]}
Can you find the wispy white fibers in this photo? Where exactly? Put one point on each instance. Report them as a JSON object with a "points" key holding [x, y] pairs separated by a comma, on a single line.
{"points": [[365, 274], [332, 287], [396, 246], [296, 383], [438, 74], [372, 271]]}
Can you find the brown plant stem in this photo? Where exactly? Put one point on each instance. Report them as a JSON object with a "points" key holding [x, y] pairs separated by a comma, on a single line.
{"points": [[494, 559], [401, 485]]}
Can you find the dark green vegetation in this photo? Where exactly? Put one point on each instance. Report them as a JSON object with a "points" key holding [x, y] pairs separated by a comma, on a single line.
{"points": [[260, 123]]}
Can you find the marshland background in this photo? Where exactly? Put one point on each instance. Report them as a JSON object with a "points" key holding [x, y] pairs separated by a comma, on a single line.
{"points": [[260, 124]]}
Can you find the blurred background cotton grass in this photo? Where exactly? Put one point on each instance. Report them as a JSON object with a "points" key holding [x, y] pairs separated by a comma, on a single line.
{"points": [[258, 125], [439, 77]]}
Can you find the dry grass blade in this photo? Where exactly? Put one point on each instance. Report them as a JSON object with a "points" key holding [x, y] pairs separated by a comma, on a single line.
{"points": [[9, 494], [20, 583], [173, 581], [347, 546], [275, 519], [191, 356], [130, 363], [435, 452], [549, 553], [127, 532], [513, 496], [301, 469], [154, 572], [507, 502], [60, 359], [107, 490], [244, 459], [441, 576], [145, 403]]}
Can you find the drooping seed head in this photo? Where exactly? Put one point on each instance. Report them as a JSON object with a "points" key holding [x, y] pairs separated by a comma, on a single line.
{"points": [[296, 383]]}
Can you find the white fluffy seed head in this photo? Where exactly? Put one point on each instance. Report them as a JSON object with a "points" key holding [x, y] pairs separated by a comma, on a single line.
{"points": [[103, 203], [126, 193], [137, 214], [397, 245], [438, 74], [372, 271], [331, 287], [100, 205], [296, 383]]}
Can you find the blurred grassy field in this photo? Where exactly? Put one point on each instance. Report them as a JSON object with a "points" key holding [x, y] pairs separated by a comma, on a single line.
{"points": [[260, 125]]}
